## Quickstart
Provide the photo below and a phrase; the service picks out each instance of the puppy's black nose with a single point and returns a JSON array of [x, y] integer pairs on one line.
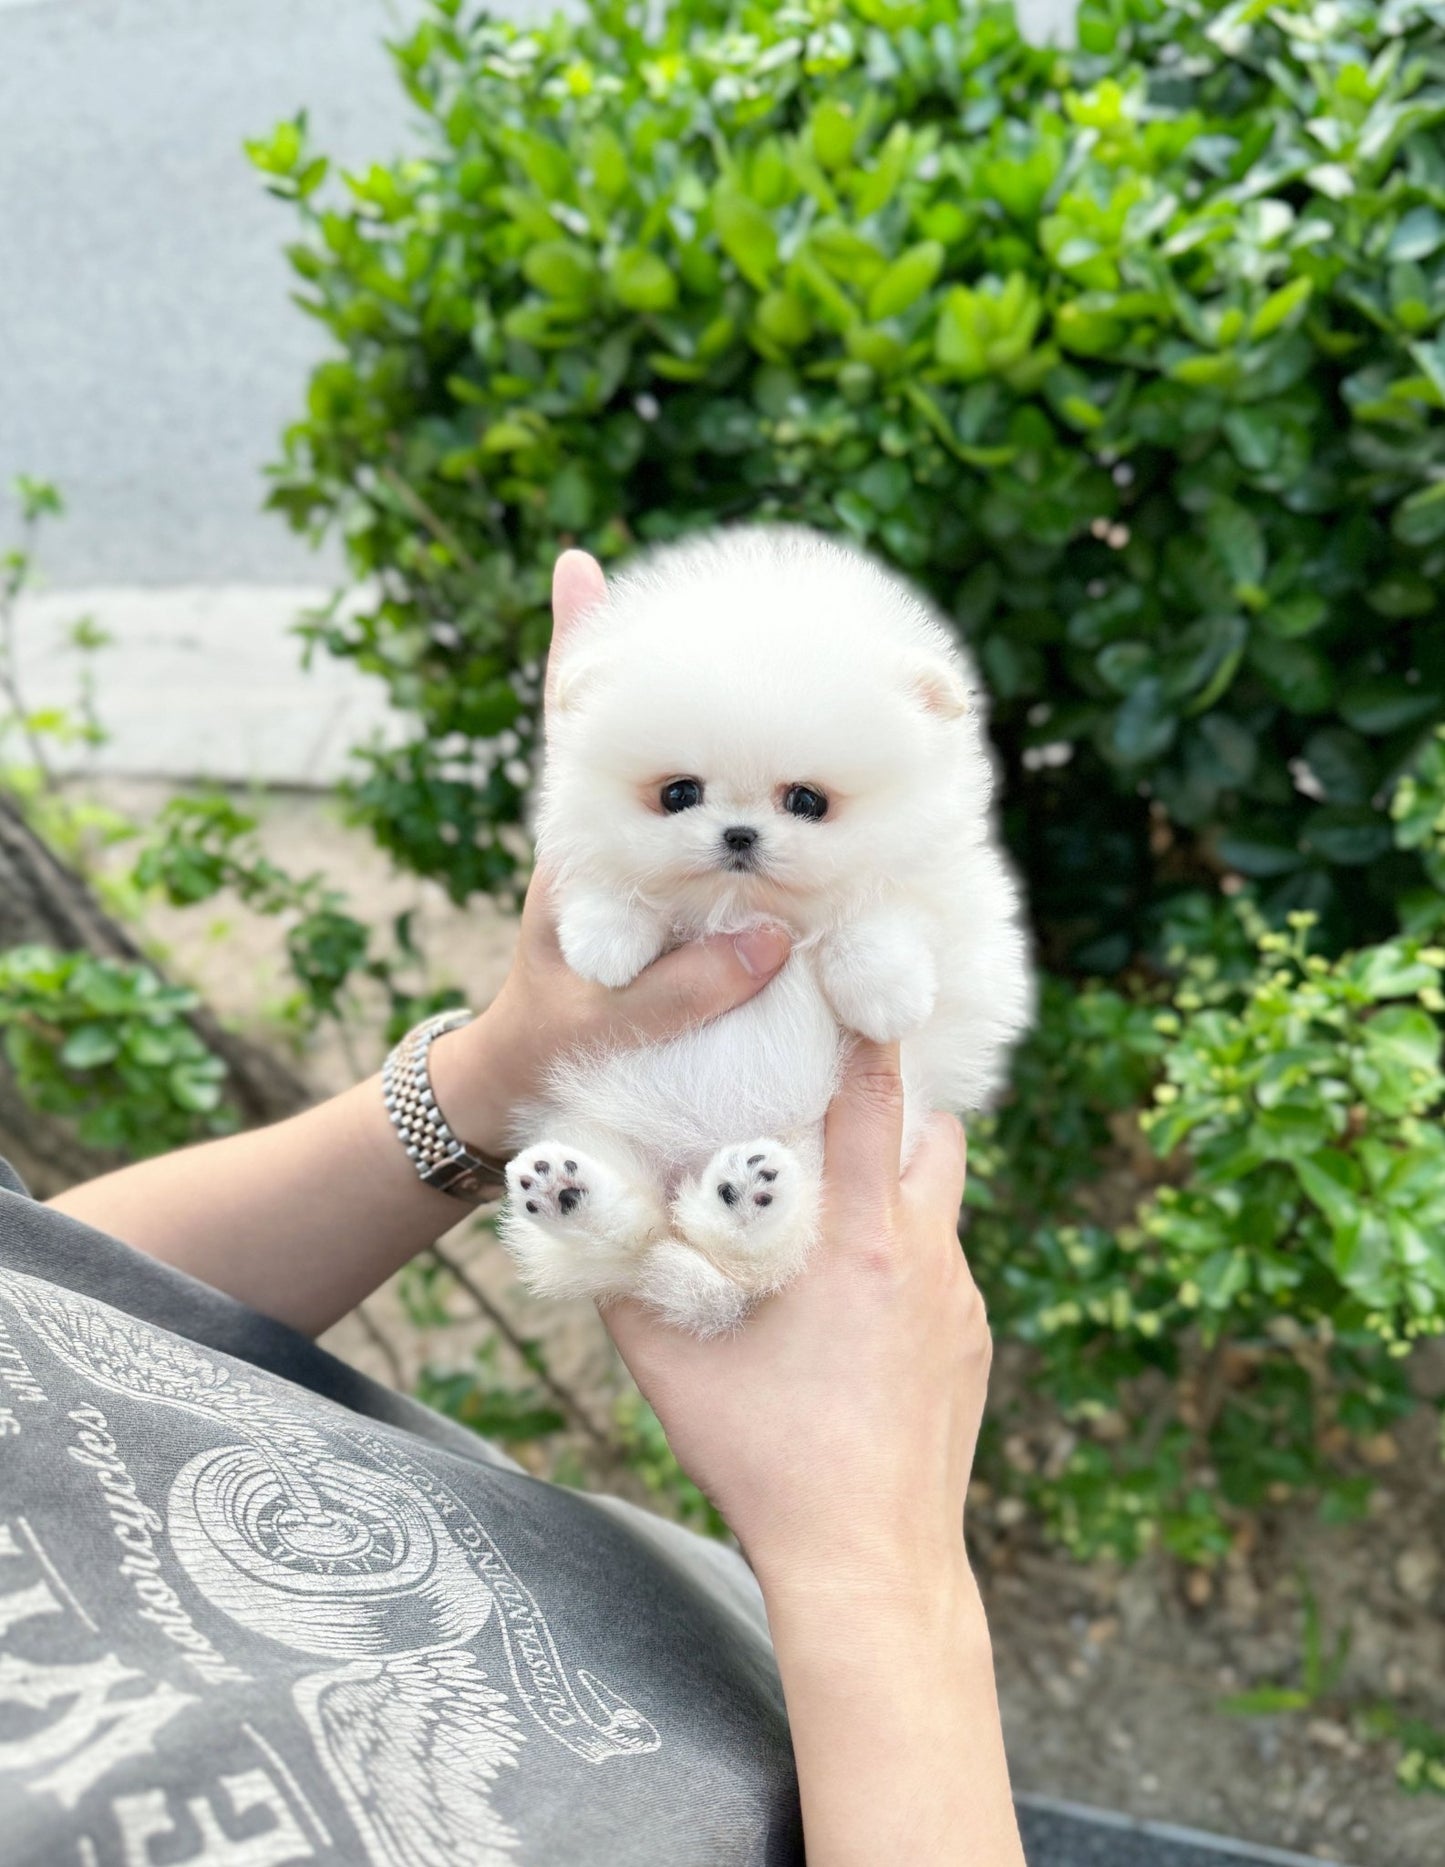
[[740, 837]]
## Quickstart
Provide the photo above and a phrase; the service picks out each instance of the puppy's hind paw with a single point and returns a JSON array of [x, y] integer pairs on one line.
[[751, 1211], [552, 1185], [573, 1224]]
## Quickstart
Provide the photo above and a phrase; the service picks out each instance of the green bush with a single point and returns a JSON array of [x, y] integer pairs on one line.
[[1133, 358], [105, 1043], [1250, 1315]]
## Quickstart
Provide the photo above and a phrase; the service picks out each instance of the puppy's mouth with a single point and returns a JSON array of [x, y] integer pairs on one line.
[[741, 862]]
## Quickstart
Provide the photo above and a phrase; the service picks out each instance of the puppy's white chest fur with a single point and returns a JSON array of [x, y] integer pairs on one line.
[[764, 725], [768, 1068]]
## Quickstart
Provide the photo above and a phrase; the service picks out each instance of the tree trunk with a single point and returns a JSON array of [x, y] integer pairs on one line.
[[41, 901]]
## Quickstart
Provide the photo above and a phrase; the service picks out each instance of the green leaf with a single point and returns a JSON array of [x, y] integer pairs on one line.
[[1420, 520], [1342, 765], [1144, 725], [905, 281], [1300, 675], [1420, 233], [642, 281], [608, 160], [1260, 851], [1387, 704], [1390, 971], [1237, 541], [1332, 1181], [1082, 413], [1204, 660], [560, 268], [1347, 834], [1255, 436], [958, 341], [90, 1046], [1299, 613], [747, 237], [195, 1087], [1292, 1130], [784, 319], [1279, 307], [1363, 1257], [1221, 1277], [1406, 1035], [834, 132]]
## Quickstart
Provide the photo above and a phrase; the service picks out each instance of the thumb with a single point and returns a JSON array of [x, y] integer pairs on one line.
[[701, 981], [936, 1173], [863, 1132]]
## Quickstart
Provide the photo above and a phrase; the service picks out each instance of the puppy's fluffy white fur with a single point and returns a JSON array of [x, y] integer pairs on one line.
[[753, 662]]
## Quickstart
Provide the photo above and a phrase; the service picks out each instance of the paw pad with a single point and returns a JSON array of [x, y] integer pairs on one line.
[[747, 1175], [552, 1194]]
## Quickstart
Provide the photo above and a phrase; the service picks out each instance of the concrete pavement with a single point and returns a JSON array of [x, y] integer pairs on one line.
[[149, 352], [1063, 1834], [150, 357]]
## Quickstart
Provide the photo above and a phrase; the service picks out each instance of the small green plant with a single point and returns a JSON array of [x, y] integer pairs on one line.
[[1320, 1668], [1309, 1109], [1420, 1763], [30, 736], [489, 1400], [1420, 1769], [36, 728], [1219, 1341], [202, 842], [106, 1045]]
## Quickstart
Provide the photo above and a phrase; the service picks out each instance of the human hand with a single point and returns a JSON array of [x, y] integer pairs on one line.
[[835, 1431], [483, 1071]]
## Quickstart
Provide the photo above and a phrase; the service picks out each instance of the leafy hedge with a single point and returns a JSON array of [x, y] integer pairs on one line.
[[1241, 1331], [1133, 357]]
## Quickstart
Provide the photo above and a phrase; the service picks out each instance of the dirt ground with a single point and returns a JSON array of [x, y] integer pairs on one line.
[[1112, 1681]]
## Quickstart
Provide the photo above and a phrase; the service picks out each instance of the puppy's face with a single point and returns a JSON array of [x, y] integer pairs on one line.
[[751, 780]]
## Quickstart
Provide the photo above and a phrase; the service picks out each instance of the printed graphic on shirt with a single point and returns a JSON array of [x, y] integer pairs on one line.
[[249, 1541]]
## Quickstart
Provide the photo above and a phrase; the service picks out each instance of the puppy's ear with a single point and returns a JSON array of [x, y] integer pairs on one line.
[[578, 588], [939, 689], [569, 681]]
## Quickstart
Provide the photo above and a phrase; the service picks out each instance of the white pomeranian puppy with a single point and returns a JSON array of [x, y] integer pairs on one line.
[[762, 725]]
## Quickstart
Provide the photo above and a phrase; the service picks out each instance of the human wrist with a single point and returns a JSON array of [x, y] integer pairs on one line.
[[941, 1615], [827, 1580], [469, 1082]]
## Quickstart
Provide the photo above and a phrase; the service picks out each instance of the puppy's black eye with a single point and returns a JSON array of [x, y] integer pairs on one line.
[[681, 794], [801, 800]]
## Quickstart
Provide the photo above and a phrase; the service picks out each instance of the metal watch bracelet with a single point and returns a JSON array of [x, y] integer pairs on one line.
[[440, 1158]]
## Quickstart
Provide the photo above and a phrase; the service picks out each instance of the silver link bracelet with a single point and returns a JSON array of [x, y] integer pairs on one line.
[[441, 1160]]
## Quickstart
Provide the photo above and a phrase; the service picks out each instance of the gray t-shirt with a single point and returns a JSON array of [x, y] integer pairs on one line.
[[255, 1609]]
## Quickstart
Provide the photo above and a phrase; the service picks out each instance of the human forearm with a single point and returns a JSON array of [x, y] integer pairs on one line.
[[301, 1219], [894, 1716]]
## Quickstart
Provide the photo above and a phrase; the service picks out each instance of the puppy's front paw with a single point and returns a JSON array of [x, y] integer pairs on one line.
[[605, 940], [880, 978]]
